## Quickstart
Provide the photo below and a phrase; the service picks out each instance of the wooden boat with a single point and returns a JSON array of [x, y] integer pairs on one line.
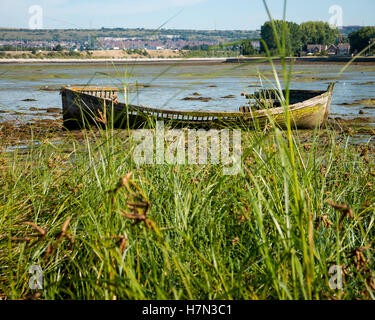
[[83, 106]]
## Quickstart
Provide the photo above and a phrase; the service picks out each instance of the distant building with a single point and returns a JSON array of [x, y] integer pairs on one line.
[[343, 49], [332, 50], [316, 48]]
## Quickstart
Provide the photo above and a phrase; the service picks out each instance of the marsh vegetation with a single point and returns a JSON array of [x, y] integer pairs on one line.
[[102, 227]]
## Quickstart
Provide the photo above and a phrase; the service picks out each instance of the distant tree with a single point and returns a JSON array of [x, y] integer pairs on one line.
[[295, 39], [318, 32], [8, 48], [292, 32], [360, 39], [268, 35], [58, 48], [342, 38], [247, 48], [74, 54]]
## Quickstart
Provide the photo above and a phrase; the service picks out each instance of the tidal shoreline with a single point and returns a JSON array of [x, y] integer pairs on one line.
[[147, 61], [187, 61], [16, 134]]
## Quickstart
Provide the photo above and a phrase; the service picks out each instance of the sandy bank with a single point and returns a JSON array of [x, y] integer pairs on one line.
[[120, 61], [192, 61]]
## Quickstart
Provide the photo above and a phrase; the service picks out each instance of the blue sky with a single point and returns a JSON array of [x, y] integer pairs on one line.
[[191, 14]]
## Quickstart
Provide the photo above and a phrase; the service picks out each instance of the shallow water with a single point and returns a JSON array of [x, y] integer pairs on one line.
[[166, 86]]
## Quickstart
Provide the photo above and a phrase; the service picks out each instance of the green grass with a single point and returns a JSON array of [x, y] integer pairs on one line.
[[255, 235]]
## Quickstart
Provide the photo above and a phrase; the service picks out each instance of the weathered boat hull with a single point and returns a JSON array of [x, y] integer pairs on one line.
[[83, 107]]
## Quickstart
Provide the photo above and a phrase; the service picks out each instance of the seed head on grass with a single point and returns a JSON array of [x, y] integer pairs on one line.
[[34, 296], [50, 163], [77, 188], [114, 98], [51, 250], [41, 233], [122, 183], [362, 265], [359, 259], [138, 213], [345, 211], [121, 243], [102, 118], [236, 241], [326, 222], [138, 204]]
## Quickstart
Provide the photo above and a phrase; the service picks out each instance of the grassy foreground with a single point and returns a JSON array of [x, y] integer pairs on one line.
[[187, 232]]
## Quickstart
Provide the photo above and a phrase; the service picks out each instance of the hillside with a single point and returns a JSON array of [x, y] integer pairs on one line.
[[163, 35], [145, 34]]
